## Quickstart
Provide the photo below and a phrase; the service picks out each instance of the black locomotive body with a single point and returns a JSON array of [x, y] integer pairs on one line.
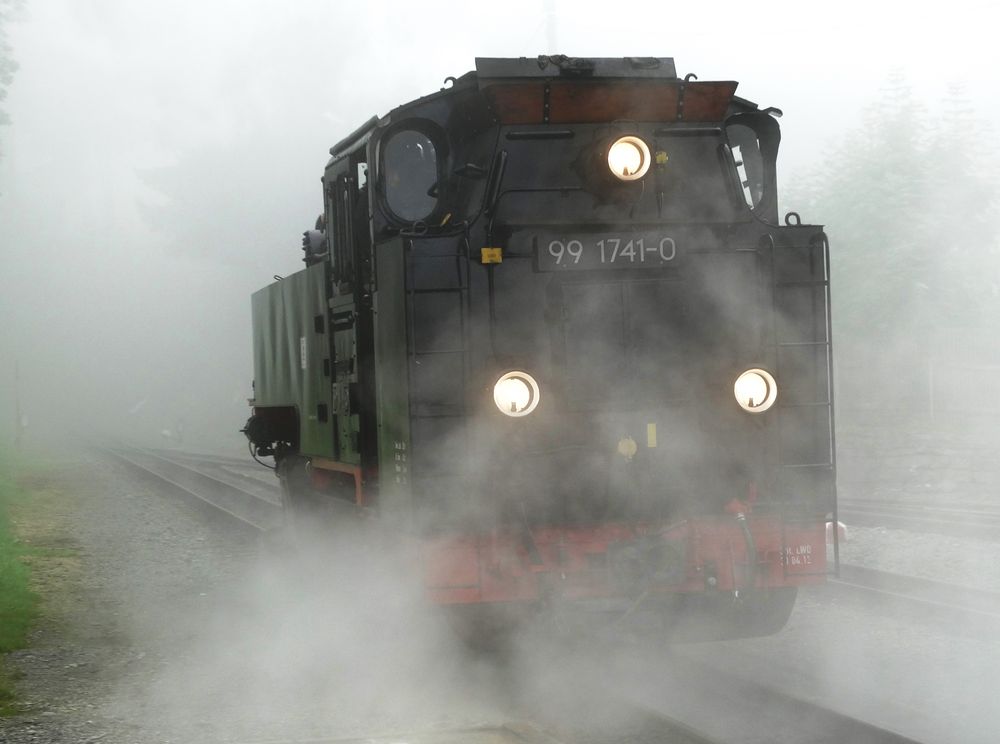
[[551, 328]]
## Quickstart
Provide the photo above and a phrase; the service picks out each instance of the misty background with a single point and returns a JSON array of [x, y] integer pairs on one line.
[[159, 162]]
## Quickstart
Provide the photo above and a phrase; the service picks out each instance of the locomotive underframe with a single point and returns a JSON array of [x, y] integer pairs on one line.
[[624, 561]]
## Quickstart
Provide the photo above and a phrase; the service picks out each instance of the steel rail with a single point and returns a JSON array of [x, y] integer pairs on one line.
[[515, 732], [961, 508], [250, 478], [748, 710], [205, 459], [241, 473], [961, 607], [949, 521], [245, 506]]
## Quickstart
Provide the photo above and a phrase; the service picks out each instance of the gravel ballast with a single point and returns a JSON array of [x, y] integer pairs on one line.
[[172, 627]]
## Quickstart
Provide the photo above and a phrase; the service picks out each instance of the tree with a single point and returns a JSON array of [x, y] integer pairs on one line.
[[911, 200], [9, 10], [962, 165]]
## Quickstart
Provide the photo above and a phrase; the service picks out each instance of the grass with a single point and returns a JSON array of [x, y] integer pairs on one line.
[[18, 604]]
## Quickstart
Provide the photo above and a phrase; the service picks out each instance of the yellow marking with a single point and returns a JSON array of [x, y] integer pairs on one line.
[[651, 435], [661, 157], [491, 255], [444, 221]]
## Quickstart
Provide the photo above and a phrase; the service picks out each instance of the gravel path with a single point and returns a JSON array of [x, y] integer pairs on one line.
[[142, 561], [950, 464], [165, 628], [945, 462], [953, 560]]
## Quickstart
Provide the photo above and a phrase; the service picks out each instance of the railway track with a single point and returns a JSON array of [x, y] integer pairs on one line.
[[744, 710], [232, 489], [961, 608], [243, 491], [972, 520], [965, 520], [211, 483], [510, 733]]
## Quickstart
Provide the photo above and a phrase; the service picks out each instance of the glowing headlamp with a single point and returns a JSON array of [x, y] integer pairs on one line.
[[516, 393], [628, 158], [755, 390]]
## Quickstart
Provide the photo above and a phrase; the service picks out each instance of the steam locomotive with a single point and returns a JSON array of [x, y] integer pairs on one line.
[[552, 332]]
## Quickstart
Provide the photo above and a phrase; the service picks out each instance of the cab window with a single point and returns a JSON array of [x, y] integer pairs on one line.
[[749, 162], [410, 172]]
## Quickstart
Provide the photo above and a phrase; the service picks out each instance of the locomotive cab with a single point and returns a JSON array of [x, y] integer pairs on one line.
[[559, 338]]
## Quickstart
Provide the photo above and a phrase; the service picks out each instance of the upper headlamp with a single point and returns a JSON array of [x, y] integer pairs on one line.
[[516, 394], [628, 158], [755, 390]]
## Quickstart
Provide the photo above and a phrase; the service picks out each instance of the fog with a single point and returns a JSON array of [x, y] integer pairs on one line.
[[162, 160]]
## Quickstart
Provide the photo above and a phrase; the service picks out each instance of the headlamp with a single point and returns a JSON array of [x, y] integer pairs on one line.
[[755, 390], [516, 393], [628, 158]]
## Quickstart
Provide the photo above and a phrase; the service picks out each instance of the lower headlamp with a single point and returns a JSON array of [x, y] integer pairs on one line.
[[516, 393], [755, 390]]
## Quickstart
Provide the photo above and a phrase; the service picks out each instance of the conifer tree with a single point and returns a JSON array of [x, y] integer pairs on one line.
[[8, 12], [910, 201]]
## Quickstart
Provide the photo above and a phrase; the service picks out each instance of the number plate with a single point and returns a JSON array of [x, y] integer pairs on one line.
[[637, 251]]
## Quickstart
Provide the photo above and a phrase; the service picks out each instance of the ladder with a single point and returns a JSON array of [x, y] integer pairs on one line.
[[806, 453], [437, 339]]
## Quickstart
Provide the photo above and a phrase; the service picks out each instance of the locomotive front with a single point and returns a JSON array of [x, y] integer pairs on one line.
[[550, 327]]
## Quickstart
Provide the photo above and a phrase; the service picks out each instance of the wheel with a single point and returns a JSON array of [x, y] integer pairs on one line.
[[723, 617], [310, 514], [484, 631], [766, 612]]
